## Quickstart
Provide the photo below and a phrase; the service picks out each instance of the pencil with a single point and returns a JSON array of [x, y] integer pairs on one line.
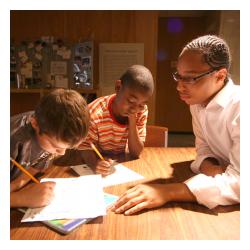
[[24, 170], [96, 150]]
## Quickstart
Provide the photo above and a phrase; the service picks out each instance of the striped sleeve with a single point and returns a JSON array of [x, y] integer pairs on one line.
[[141, 123]]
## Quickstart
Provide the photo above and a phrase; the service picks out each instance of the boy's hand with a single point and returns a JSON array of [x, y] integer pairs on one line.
[[212, 170], [132, 119], [140, 197], [34, 195], [210, 166], [105, 167]]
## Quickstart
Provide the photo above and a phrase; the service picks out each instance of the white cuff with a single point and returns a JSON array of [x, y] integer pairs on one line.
[[213, 191]]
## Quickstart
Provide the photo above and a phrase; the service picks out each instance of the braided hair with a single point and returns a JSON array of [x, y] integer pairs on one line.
[[215, 51]]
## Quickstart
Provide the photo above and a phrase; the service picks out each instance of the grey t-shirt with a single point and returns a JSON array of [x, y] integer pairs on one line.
[[24, 147]]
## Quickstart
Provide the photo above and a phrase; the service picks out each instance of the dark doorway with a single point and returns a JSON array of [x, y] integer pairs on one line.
[[174, 31]]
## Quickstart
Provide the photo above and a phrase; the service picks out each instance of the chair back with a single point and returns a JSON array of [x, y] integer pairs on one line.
[[156, 136]]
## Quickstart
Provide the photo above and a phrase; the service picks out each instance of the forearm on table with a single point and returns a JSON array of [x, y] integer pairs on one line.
[[15, 199], [179, 192], [135, 145]]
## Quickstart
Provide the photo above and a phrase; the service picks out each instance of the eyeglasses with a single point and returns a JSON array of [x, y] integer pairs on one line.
[[191, 80]]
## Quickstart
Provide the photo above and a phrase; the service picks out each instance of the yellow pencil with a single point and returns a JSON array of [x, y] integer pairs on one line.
[[96, 150], [24, 170]]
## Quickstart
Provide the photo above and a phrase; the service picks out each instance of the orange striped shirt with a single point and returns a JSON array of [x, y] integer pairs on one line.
[[105, 132]]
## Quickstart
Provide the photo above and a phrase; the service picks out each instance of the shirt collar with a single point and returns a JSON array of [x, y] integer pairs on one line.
[[222, 98]]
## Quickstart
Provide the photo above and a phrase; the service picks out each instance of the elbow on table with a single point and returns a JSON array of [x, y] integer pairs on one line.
[[136, 154]]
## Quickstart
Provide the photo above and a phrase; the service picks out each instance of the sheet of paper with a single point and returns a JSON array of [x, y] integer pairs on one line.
[[80, 197], [122, 174], [61, 81], [58, 68]]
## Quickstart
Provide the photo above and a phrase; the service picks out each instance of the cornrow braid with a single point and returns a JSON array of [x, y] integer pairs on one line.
[[215, 51]]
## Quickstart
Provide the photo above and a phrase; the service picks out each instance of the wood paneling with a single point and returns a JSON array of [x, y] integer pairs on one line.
[[230, 31], [100, 26], [23, 102]]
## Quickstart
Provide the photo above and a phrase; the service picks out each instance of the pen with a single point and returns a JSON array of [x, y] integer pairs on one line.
[[24, 170], [96, 150]]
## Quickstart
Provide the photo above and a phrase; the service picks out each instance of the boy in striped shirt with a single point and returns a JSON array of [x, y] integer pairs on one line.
[[119, 120]]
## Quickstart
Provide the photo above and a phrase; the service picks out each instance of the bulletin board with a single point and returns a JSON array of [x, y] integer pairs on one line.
[[50, 63]]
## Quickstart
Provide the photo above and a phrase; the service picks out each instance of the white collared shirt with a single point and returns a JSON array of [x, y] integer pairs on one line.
[[217, 131]]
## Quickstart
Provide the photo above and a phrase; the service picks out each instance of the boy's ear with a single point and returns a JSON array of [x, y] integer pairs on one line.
[[34, 124], [118, 86]]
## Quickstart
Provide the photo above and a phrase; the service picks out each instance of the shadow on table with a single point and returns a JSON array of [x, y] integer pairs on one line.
[[182, 172], [74, 157]]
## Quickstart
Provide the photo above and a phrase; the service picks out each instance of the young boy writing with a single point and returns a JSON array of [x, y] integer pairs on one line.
[[119, 119], [59, 122], [203, 83]]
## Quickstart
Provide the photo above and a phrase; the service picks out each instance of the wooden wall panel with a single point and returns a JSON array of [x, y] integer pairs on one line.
[[34, 24], [171, 111], [100, 26], [23, 102]]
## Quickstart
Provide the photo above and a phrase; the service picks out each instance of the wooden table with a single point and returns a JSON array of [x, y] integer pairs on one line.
[[172, 221]]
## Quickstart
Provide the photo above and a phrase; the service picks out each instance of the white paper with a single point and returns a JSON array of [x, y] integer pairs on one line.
[[80, 197], [26, 70], [38, 47], [24, 59], [58, 68], [122, 174], [22, 53], [61, 81], [59, 52], [66, 54], [39, 56], [55, 47], [30, 45]]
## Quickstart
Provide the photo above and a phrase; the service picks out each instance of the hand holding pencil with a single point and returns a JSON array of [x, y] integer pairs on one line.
[[33, 195], [104, 166]]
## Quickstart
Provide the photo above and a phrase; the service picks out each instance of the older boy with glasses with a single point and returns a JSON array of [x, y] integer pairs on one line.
[[203, 83]]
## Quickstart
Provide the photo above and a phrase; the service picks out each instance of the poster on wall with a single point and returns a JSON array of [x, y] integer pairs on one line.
[[114, 59], [83, 65]]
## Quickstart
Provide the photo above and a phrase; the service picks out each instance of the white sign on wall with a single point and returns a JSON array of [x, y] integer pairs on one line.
[[114, 59]]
